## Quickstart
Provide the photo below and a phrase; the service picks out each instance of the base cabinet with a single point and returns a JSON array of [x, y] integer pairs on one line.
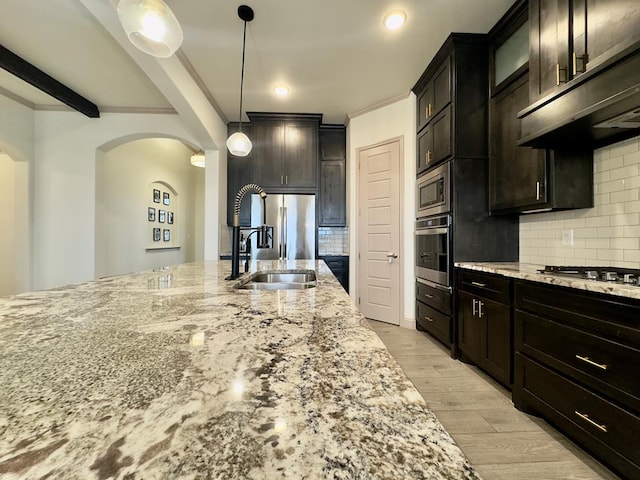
[[576, 354], [433, 311], [339, 266], [484, 323]]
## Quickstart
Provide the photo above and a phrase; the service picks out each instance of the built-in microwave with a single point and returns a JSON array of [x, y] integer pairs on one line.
[[432, 193]]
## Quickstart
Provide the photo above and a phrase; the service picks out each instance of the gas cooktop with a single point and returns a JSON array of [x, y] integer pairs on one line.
[[623, 276]]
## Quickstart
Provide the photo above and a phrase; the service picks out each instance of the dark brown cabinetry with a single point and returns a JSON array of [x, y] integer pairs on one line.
[[239, 173], [484, 322], [285, 151], [451, 102], [575, 357], [339, 266], [332, 209], [433, 311], [523, 179]]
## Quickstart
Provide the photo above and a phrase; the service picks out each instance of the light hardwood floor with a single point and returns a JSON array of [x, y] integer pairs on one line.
[[500, 441]]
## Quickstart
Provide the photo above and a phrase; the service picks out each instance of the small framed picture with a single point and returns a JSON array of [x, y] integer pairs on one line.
[[167, 235], [156, 196], [151, 214], [156, 234], [170, 217], [161, 216], [165, 198]]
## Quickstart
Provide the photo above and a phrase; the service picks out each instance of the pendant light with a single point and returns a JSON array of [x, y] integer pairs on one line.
[[150, 26], [238, 143]]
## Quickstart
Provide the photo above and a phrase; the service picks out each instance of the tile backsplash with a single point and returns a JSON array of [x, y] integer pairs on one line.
[[607, 234], [333, 241]]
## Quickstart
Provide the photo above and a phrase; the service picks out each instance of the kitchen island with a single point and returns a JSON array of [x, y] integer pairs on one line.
[[175, 374]]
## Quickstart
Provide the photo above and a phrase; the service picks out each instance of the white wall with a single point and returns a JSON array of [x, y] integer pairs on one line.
[[123, 192], [607, 234], [66, 147], [16, 159], [391, 121]]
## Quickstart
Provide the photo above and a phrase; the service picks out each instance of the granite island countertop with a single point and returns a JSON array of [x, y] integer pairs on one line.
[[174, 374], [528, 271]]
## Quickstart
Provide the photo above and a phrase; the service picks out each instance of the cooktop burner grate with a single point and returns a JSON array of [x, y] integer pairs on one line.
[[628, 276]]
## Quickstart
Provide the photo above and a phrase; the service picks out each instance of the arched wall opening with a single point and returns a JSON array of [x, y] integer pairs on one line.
[[149, 205]]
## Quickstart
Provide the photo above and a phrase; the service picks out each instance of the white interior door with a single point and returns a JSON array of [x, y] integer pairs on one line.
[[379, 231]]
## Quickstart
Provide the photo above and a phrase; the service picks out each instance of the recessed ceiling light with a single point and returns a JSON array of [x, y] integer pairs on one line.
[[394, 20], [281, 90]]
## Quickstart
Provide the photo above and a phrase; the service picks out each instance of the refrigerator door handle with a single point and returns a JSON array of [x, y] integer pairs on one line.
[[283, 237]]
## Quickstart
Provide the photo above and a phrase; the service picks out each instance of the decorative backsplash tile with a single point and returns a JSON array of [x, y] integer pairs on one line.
[[333, 240], [607, 234]]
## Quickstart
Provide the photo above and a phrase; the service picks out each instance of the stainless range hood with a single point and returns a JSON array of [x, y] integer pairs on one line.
[[597, 108]]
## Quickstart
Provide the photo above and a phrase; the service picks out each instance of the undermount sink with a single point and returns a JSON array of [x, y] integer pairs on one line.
[[279, 280]]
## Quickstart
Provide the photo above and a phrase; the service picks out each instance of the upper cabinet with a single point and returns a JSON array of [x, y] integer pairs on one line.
[[584, 73], [286, 151], [332, 209], [454, 82]]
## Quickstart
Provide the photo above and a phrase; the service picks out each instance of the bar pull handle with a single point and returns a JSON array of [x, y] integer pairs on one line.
[[281, 179], [587, 360], [585, 417], [537, 190], [429, 110], [480, 304], [561, 78], [478, 284], [473, 308], [286, 179], [427, 157], [427, 295], [426, 111], [579, 63], [429, 319]]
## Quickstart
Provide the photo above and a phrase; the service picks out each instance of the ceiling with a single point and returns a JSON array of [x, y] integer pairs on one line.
[[335, 55]]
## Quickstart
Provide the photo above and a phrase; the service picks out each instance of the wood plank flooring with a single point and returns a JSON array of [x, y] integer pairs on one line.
[[501, 442]]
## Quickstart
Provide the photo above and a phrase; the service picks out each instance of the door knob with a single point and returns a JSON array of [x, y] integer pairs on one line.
[[391, 256]]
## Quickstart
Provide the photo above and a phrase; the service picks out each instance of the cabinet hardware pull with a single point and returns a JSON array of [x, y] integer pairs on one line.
[[427, 295], [583, 63], [558, 70], [537, 190], [281, 179], [429, 319], [473, 309], [587, 360], [426, 111], [430, 110], [427, 157], [480, 304], [586, 418], [478, 284]]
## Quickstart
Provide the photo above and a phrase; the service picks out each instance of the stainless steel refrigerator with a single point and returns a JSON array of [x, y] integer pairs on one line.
[[293, 218]]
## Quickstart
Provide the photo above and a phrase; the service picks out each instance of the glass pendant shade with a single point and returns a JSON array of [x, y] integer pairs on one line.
[[150, 26], [239, 144]]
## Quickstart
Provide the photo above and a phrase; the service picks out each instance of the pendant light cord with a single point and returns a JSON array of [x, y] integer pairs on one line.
[[244, 40]]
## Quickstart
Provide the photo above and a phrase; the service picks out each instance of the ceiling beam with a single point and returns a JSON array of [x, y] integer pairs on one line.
[[22, 69]]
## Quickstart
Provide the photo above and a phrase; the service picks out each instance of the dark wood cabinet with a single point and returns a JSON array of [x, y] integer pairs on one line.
[[484, 322], [570, 37], [339, 266], [452, 102], [523, 179], [332, 209], [433, 311], [575, 358], [239, 173], [285, 151]]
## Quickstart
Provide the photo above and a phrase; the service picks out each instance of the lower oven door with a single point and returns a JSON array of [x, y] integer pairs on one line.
[[432, 254]]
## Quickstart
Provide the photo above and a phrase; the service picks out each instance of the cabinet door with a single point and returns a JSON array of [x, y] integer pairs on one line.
[[441, 127], [425, 150], [332, 209], [517, 175], [469, 327], [442, 87], [495, 354], [332, 144], [601, 28], [549, 62], [424, 105], [300, 155], [268, 153]]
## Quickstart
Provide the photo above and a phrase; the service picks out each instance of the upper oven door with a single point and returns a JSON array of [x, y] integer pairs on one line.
[[432, 250], [432, 195]]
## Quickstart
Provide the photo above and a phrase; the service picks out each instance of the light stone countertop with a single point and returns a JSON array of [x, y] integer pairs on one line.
[[527, 271], [174, 374]]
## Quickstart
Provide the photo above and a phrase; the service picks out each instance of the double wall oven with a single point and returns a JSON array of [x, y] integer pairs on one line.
[[432, 253]]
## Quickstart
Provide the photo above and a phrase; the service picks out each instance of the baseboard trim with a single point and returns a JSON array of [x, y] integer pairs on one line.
[[408, 323]]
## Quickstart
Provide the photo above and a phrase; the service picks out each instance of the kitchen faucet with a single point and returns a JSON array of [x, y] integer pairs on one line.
[[263, 230]]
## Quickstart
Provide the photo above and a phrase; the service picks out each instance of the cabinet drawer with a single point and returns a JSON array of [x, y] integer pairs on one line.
[[608, 431], [434, 297], [434, 322], [493, 287], [603, 364]]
